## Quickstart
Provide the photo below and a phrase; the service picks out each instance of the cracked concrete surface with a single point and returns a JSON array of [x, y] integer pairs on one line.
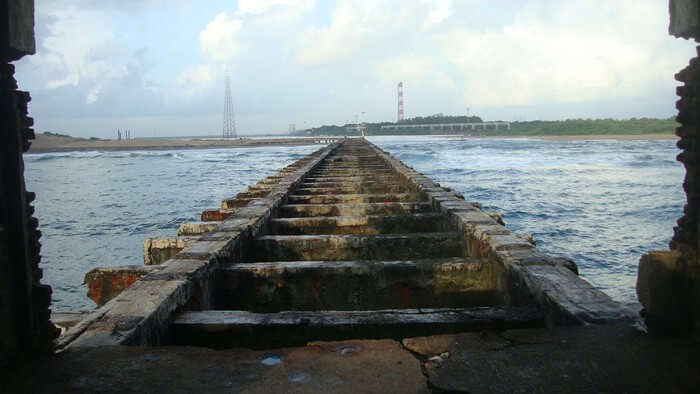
[[588, 359]]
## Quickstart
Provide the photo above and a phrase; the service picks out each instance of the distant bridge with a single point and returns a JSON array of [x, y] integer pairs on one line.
[[451, 126]]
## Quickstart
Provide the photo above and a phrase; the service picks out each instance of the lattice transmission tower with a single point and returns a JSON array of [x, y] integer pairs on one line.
[[229, 128], [399, 115]]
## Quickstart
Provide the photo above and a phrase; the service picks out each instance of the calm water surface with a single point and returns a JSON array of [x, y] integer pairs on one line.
[[601, 203]]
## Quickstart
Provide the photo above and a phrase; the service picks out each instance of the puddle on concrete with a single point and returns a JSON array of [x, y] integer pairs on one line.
[[347, 350], [271, 360], [299, 377]]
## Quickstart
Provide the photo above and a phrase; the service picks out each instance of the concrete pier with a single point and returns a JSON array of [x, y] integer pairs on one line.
[[350, 266], [348, 228]]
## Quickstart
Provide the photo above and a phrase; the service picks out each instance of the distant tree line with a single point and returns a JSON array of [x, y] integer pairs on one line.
[[593, 126], [433, 119], [68, 136], [535, 127], [55, 134]]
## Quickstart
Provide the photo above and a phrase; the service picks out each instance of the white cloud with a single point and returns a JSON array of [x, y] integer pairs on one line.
[[259, 7], [94, 94], [218, 39], [439, 11], [194, 81], [353, 26], [83, 66], [68, 50], [577, 56], [408, 67]]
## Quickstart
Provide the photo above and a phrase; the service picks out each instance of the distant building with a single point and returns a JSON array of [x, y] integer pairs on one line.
[[472, 126]]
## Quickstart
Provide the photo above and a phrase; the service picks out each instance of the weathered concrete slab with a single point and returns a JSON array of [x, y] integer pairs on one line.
[[351, 172], [343, 183], [158, 250], [353, 198], [567, 298], [667, 287], [588, 359], [235, 202], [271, 179], [369, 177], [527, 257], [253, 194], [388, 208], [222, 329], [215, 245], [366, 169], [357, 247], [66, 320], [262, 186], [139, 314], [354, 189], [217, 215], [368, 224], [337, 367], [359, 285], [196, 228], [105, 283]]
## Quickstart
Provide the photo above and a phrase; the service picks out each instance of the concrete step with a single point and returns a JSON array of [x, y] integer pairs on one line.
[[351, 172], [357, 247], [350, 159], [262, 186], [359, 285], [235, 202], [367, 167], [353, 169], [347, 160], [362, 178], [273, 179], [196, 228], [353, 198], [366, 224], [345, 183], [355, 189], [250, 193], [217, 215], [355, 184], [105, 283], [225, 329], [159, 250], [377, 208]]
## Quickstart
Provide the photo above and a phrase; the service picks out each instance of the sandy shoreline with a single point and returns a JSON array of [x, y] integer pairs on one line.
[[620, 137], [51, 143], [580, 137]]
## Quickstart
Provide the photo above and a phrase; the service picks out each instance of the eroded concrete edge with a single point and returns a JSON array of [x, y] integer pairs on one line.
[[139, 315]]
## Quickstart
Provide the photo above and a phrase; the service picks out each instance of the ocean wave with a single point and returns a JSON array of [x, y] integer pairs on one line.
[[43, 157], [149, 154]]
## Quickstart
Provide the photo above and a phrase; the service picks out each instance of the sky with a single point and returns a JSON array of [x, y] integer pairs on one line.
[[158, 67]]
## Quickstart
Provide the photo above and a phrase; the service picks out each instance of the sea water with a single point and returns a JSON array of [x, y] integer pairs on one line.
[[601, 203]]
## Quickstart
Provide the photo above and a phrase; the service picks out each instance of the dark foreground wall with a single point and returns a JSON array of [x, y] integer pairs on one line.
[[25, 330], [668, 282]]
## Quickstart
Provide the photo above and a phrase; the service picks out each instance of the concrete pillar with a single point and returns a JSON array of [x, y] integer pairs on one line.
[[668, 282], [25, 330]]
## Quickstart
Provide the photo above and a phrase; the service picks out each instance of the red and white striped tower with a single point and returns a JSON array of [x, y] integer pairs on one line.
[[399, 115]]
